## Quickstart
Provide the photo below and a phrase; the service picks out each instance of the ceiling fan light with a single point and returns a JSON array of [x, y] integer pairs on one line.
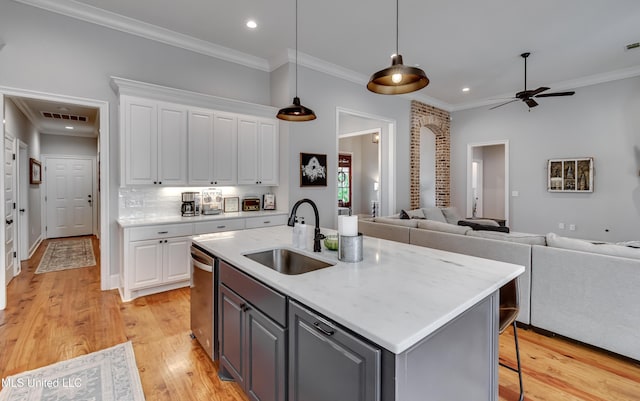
[[296, 112], [397, 79]]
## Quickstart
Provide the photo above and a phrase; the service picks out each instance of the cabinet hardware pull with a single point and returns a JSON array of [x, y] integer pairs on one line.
[[163, 232], [244, 307], [329, 332], [221, 227], [267, 222]]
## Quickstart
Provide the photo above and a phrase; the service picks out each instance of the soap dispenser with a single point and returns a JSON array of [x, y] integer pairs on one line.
[[302, 234]]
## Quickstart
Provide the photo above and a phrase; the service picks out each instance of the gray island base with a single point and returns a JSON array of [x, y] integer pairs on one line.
[[407, 323]]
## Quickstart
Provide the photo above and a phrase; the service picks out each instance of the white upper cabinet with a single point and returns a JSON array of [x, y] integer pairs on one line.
[[200, 147], [225, 149], [257, 151], [154, 142]]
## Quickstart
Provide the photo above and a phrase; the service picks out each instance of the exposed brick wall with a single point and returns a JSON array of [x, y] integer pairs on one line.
[[438, 121]]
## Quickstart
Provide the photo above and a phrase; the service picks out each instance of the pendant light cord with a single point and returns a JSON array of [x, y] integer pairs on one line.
[[296, 48], [397, 29]]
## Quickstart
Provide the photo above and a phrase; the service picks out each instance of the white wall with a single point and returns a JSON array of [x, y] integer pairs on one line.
[[324, 94], [493, 181], [68, 145], [50, 53], [602, 121]]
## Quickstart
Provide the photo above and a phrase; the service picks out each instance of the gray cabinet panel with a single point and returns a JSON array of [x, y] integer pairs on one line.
[[232, 327], [328, 363], [265, 347]]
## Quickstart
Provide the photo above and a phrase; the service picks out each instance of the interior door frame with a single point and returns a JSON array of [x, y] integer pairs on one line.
[[386, 158], [107, 281], [469, 197], [94, 182]]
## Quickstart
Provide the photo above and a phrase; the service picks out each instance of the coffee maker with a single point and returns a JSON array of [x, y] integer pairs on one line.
[[188, 208]]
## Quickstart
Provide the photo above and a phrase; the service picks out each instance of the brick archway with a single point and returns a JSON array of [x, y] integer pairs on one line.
[[438, 121]]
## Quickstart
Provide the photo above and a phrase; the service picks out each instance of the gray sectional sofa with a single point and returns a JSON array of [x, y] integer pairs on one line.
[[578, 289]]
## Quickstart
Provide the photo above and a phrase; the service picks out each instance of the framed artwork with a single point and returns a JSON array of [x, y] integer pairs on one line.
[[269, 202], [35, 171], [313, 170], [232, 204], [570, 175]]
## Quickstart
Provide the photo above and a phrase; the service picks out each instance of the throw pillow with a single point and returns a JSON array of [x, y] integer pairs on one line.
[[404, 215], [451, 215], [434, 213], [483, 227], [412, 214]]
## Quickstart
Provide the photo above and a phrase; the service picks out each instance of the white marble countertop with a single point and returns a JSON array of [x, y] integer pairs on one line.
[[398, 294], [150, 221]]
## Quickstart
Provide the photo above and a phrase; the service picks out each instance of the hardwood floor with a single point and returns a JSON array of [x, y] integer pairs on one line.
[[57, 316]]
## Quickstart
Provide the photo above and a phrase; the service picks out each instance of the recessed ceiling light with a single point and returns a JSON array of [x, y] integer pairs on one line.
[[252, 24], [465, 89], [68, 127]]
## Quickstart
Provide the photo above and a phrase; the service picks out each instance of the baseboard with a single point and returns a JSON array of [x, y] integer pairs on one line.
[[114, 281], [34, 247]]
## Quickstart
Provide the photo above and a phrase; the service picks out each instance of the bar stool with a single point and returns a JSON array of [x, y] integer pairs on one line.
[[509, 309]]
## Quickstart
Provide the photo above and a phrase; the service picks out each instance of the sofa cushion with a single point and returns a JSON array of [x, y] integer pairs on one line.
[[521, 238], [397, 221], [451, 215], [434, 213], [603, 248], [483, 227], [412, 214], [444, 227]]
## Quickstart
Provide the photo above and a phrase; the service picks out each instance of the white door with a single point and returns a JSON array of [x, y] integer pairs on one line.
[[23, 202], [69, 199], [9, 208]]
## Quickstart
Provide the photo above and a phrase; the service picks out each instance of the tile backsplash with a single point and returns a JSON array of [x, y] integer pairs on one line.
[[152, 202]]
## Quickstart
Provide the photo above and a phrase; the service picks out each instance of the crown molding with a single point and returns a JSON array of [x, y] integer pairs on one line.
[[132, 26], [123, 86], [559, 86]]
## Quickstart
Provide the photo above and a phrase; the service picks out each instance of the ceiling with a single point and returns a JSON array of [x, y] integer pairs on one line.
[[458, 43]]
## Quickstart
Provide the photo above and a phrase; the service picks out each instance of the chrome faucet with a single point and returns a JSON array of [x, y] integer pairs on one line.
[[316, 232]]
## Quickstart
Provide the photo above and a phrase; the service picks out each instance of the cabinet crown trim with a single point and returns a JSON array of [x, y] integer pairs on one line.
[[128, 87]]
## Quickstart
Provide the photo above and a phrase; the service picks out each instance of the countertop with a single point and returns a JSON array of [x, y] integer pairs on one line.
[[150, 221], [395, 297]]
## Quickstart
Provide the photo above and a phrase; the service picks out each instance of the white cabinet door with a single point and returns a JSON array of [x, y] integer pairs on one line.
[[172, 145], [225, 149], [146, 263], [268, 147], [140, 140], [247, 151], [258, 144], [201, 147], [175, 259]]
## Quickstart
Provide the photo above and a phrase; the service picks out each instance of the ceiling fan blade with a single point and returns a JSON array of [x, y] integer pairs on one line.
[[531, 102], [500, 105], [556, 94], [539, 90]]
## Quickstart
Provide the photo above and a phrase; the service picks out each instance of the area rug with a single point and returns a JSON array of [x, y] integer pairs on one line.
[[110, 374], [67, 254]]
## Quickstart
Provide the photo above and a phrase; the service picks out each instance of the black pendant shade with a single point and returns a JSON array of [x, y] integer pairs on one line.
[[397, 79], [296, 112]]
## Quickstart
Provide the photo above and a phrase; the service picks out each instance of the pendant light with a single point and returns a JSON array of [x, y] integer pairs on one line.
[[296, 111], [398, 78]]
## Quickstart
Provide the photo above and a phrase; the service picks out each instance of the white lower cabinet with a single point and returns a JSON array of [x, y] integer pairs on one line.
[[159, 261]]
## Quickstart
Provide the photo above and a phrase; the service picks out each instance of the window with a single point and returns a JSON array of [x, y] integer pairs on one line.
[[344, 180]]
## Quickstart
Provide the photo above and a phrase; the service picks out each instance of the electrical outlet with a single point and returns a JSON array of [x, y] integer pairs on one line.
[[561, 226], [515, 193], [572, 227]]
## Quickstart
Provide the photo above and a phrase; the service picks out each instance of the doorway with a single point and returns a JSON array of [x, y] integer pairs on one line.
[[35, 202], [359, 172], [488, 180], [381, 185]]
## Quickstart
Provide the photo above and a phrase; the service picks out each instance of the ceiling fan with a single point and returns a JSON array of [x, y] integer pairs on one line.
[[528, 95]]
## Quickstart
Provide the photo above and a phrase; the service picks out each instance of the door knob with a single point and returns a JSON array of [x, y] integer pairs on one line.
[[22, 210]]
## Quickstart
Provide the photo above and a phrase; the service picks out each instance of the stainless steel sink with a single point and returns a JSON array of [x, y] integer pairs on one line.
[[287, 261]]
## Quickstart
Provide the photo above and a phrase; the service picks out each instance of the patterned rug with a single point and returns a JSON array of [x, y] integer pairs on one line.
[[67, 254], [110, 374]]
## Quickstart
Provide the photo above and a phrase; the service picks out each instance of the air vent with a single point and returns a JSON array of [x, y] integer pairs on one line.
[[61, 116]]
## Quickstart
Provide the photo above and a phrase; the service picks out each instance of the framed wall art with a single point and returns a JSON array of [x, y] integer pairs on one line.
[[232, 204], [313, 170], [570, 175], [35, 171]]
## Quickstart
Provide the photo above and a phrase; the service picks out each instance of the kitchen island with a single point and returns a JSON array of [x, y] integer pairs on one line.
[[433, 315]]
